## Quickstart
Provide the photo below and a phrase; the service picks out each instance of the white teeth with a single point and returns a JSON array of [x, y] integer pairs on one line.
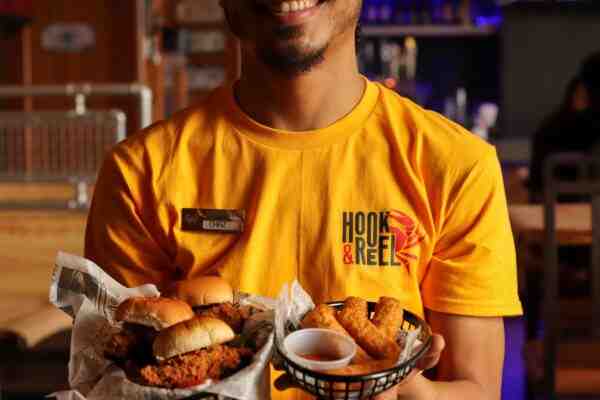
[[294, 5]]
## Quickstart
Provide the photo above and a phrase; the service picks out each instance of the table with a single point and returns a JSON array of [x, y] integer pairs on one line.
[[573, 228], [29, 240], [573, 223]]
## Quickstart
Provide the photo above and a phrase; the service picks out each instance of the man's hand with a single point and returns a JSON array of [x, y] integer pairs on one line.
[[470, 368], [432, 357], [426, 362]]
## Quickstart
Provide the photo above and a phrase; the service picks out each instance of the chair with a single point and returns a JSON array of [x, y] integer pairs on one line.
[[571, 368]]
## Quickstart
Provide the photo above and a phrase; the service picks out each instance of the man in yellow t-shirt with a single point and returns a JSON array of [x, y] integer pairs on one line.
[[305, 170]]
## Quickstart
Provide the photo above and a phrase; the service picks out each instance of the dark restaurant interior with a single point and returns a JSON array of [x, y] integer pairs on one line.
[[77, 77]]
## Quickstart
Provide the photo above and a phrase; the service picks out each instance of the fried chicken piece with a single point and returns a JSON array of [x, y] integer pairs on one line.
[[132, 342], [353, 317], [193, 368], [388, 316], [323, 316], [120, 345], [232, 315]]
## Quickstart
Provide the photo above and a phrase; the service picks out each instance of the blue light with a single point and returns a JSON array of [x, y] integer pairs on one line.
[[491, 20]]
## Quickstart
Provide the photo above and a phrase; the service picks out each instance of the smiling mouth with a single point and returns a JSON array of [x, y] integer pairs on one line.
[[286, 7]]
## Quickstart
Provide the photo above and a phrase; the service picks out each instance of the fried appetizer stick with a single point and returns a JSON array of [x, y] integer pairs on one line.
[[323, 316], [388, 317], [368, 367], [353, 317], [364, 368]]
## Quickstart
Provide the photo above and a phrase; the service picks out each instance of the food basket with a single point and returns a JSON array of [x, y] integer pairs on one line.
[[359, 387]]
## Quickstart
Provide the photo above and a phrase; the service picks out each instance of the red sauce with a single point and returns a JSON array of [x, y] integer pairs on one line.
[[319, 357]]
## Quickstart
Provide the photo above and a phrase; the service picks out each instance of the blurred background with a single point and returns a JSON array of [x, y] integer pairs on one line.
[[76, 77]]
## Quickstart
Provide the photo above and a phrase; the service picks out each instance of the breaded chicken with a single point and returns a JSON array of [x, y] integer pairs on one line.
[[120, 345], [232, 315], [193, 368], [132, 342]]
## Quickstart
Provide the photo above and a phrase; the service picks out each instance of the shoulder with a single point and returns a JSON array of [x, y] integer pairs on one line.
[[154, 146], [437, 142]]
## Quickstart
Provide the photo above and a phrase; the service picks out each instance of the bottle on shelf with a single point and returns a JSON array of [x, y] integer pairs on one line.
[[448, 12], [486, 12], [431, 12], [386, 12], [436, 11], [424, 10], [463, 12], [371, 11], [461, 106], [402, 12], [414, 14]]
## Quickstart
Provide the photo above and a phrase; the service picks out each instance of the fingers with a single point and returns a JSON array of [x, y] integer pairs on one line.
[[391, 394], [284, 382], [432, 357]]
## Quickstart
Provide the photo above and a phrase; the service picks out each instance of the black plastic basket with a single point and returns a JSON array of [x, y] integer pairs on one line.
[[325, 386]]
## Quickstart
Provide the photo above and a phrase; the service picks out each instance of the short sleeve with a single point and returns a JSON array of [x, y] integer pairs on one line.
[[473, 267], [121, 237]]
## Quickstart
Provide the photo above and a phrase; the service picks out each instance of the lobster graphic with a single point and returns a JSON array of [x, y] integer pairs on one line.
[[407, 236]]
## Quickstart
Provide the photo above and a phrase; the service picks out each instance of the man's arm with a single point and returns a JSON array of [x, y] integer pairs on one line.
[[470, 367], [123, 235]]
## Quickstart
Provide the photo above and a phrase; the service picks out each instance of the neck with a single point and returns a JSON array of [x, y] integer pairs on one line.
[[311, 100]]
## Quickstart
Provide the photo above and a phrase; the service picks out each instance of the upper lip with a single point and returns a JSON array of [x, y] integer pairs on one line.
[[269, 3]]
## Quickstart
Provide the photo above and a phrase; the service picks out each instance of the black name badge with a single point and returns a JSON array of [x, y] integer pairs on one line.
[[218, 221]]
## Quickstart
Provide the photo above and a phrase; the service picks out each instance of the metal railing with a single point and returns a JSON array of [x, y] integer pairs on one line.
[[80, 92], [54, 148]]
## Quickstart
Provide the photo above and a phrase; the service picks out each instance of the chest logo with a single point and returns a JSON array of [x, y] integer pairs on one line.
[[383, 238]]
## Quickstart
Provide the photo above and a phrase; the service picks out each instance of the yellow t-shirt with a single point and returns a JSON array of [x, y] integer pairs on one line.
[[390, 200]]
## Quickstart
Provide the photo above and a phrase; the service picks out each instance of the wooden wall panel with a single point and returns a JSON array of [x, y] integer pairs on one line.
[[16, 49], [117, 56]]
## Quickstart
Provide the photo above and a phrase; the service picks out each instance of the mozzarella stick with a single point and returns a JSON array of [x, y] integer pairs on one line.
[[353, 317], [323, 316], [388, 317], [358, 369], [363, 369]]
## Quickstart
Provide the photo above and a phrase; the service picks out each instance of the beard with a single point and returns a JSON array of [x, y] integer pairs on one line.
[[283, 52], [291, 60]]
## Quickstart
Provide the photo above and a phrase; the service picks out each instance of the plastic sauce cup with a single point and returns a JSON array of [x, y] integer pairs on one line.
[[319, 349]]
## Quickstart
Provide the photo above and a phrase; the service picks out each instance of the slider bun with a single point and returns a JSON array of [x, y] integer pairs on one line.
[[155, 312], [201, 291], [193, 334]]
